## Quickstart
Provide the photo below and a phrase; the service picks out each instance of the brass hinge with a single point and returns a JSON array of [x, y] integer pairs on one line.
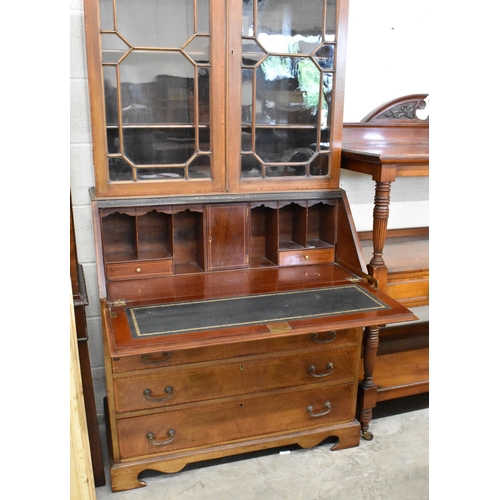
[[118, 303], [355, 270]]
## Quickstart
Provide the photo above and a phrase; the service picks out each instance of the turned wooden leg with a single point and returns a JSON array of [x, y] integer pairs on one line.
[[377, 267], [367, 395]]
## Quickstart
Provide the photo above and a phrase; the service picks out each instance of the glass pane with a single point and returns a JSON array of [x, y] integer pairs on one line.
[[246, 95], [199, 49], [290, 26], [326, 100], [283, 145], [288, 88], [331, 20], [251, 52], [113, 48], [199, 168], [148, 23], [204, 96], [247, 25], [113, 140], [120, 170], [151, 174], [246, 139], [106, 13], [319, 166], [204, 139], [156, 87], [110, 94], [324, 57], [146, 146], [203, 16], [250, 166], [285, 171]]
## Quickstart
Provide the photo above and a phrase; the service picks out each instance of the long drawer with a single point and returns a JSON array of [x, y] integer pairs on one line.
[[223, 421], [243, 375], [338, 338]]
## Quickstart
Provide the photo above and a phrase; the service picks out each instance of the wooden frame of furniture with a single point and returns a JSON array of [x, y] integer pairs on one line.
[[389, 143], [80, 302], [234, 368], [233, 290]]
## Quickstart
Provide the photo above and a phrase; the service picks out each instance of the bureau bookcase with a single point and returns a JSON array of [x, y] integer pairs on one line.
[[236, 308]]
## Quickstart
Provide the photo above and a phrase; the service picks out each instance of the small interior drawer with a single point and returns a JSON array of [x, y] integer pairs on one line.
[[306, 256], [137, 269]]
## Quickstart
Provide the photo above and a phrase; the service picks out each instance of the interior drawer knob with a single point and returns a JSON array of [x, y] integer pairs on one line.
[[327, 406], [151, 438], [329, 368], [157, 399], [138, 270]]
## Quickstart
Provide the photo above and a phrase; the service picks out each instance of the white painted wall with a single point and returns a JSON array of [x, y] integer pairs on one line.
[[386, 59]]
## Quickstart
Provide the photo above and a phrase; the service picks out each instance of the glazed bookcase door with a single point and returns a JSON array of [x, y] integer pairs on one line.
[[286, 63], [156, 76]]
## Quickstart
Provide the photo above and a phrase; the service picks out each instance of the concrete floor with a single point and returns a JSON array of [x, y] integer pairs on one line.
[[394, 466]]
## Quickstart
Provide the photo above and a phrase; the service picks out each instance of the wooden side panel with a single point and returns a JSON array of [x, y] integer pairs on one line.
[[348, 247]]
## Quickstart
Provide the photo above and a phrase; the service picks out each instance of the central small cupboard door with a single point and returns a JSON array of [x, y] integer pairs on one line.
[[227, 231]]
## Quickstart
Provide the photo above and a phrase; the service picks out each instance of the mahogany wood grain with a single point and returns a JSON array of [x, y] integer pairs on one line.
[[227, 234], [124, 475], [385, 151], [124, 344], [337, 338], [402, 374], [241, 375], [199, 425], [367, 396]]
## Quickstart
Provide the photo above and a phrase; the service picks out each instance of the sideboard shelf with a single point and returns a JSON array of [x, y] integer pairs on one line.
[[406, 255]]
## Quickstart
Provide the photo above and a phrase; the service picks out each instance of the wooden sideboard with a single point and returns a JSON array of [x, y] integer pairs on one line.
[[390, 143]]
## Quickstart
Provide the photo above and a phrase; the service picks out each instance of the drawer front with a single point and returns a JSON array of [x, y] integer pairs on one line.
[[246, 375], [127, 270], [200, 425], [338, 338], [306, 256]]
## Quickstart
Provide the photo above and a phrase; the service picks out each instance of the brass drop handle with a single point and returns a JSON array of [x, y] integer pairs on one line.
[[145, 359], [156, 399], [332, 337], [151, 438], [327, 405], [329, 367]]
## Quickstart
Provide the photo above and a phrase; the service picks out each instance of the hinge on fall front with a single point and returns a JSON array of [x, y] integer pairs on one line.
[[373, 281], [118, 303]]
